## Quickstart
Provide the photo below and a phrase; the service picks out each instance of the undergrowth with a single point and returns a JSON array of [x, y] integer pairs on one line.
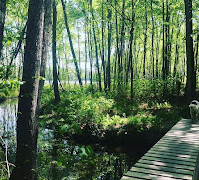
[[101, 116]]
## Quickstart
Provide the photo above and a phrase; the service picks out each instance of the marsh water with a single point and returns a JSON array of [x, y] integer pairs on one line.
[[59, 158]]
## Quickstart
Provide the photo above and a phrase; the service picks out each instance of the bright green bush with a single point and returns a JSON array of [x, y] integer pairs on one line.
[[9, 88], [81, 111]]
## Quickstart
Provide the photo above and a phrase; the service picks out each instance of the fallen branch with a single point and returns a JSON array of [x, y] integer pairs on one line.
[[3, 144]]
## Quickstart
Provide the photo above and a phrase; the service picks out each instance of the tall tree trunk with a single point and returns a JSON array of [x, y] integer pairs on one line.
[[27, 130], [177, 48], [121, 52], [16, 51], [90, 50], [54, 51], [152, 41], [108, 74], [157, 52], [86, 50], [2, 22], [170, 46], [145, 38], [130, 49], [191, 74], [79, 52], [103, 59], [71, 43], [46, 45], [163, 42], [196, 54], [167, 38], [117, 43], [96, 48]]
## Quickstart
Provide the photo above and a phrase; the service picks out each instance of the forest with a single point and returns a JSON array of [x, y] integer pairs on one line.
[[88, 86]]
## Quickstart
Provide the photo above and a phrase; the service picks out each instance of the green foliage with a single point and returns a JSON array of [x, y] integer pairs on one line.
[[9, 88], [3, 171], [95, 115], [157, 90]]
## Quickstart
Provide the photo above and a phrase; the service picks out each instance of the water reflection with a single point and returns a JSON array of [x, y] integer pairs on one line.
[[8, 114], [63, 159]]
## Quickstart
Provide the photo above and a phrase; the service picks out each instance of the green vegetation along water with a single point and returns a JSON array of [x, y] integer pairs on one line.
[[59, 158], [89, 136]]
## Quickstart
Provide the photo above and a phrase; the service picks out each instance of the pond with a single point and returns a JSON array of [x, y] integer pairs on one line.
[[61, 159]]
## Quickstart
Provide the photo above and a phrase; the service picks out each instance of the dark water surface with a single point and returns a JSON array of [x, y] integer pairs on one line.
[[61, 159]]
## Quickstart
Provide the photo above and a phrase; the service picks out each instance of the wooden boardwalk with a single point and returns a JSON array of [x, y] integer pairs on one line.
[[175, 156]]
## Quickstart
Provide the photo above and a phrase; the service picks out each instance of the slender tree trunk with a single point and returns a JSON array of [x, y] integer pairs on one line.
[[79, 52], [109, 47], [157, 52], [27, 131], [163, 43], [145, 38], [71, 43], [170, 46], [86, 54], [191, 74], [90, 50], [152, 41], [54, 50], [46, 45], [196, 55], [103, 59], [167, 38], [96, 48], [131, 41], [117, 44], [120, 71], [2, 22], [177, 48], [16, 51]]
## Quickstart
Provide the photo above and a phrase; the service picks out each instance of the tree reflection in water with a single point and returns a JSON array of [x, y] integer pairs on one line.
[[69, 161]]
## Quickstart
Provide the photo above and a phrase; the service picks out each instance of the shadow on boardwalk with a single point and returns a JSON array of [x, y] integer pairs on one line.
[[175, 156]]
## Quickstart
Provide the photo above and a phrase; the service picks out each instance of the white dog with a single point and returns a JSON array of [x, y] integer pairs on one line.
[[194, 110]]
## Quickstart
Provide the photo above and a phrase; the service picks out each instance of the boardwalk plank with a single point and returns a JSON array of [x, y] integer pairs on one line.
[[161, 173], [175, 150], [167, 164], [170, 157], [178, 146], [181, 162], [163, 168], [137, 175], [174, 156]]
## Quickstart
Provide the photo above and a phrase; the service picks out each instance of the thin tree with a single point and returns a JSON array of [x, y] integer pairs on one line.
[[27, 129], [145, 38], [167, 39], [191, 74], [152, 41], [86, 50], [54, 50], [96, 47], [46, 45], [121, 50], [117, 44], [103, 56], [177, 48], [16, 51], [130, 49], [163, 42], [71, 43], [2, 22], [108, 73]]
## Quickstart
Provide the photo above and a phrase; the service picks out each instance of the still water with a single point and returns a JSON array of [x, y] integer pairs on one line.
[[61, 159]]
